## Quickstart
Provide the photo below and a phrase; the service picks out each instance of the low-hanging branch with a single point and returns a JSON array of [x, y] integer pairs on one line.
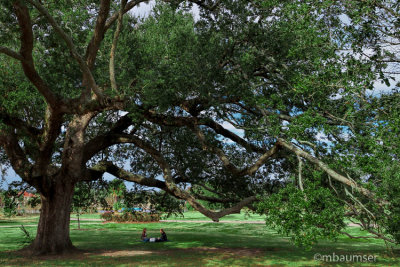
[[328, 170], [99, 169], [173, 189]]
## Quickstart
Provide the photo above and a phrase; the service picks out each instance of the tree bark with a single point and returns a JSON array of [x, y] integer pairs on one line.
[[53, 229]]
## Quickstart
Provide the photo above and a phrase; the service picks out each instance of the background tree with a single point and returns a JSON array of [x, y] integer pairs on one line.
[[116, 190], [10, 202], [88, 196]]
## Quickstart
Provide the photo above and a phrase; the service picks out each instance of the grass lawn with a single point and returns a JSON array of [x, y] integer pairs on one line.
[[192, 244]]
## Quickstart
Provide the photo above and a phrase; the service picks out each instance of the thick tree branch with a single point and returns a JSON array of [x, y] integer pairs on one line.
[[232, 136], [300, 170], [128, 7], [114, 46], [173, 189], [52, 129], [191, 121], [102, 167], [282, 115], [72, 156], [359, 237], [25, 24], [250, 170], [88, 80], [102, 25], [11, 53], [213, 199], [215, 216], [112, 137], [17, 157], [329, 171], [20, 125], [98, 35], [98, 170]]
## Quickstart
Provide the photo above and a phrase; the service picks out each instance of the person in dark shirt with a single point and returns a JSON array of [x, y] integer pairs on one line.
[[163, 237], [144, 236]]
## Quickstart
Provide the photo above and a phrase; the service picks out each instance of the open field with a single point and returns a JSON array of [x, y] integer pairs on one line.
[[192, 244]]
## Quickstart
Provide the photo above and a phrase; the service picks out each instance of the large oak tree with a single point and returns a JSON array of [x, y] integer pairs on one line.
[[88, 88]]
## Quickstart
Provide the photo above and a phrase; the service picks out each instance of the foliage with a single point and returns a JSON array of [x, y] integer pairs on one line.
[[107, 215], [27, 238], [130, 216], [34, 201], [116, 190], [305, 216], [9, 204], [88, 196], [11, 198]]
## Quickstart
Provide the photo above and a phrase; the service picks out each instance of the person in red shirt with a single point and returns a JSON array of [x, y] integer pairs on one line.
[[144, 236]]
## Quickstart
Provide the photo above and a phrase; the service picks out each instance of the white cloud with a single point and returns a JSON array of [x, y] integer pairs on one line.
[[144, 9]]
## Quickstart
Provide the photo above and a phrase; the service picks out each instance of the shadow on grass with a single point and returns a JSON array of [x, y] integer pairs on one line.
[[191, 245]]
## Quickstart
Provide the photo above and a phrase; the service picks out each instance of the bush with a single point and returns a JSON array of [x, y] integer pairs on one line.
[[130, 217], [107, 215]]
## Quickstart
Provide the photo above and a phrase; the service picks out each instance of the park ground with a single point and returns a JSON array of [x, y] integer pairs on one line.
[[241, 241]]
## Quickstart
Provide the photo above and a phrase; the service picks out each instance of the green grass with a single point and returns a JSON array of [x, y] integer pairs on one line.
[[192, 244], [18, 220], [87, 216]]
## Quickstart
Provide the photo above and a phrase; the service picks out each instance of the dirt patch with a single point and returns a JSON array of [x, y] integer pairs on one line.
[[241, 252], [70, 254], [83, 255], [104, 222], [123, 253]]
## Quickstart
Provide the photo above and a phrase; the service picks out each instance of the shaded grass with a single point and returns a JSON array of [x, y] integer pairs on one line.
[[18, 220], [192, 244]]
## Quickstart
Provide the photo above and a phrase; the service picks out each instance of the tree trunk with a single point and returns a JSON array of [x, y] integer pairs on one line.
[[79, 222], [53, 229]]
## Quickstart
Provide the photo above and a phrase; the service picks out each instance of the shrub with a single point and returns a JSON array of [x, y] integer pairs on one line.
[[131, 217], [107, 215]]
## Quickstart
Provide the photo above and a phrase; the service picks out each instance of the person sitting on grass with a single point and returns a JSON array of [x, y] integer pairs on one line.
[[163, 237], [144, 236]]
